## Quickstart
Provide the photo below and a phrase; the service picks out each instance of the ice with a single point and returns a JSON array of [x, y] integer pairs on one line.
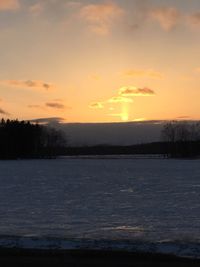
[[118, 199]]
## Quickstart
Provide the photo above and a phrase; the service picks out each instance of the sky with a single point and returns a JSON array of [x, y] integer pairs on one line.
[[100, 61]]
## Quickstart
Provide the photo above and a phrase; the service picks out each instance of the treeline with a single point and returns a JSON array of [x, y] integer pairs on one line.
[[182, 139], [21, 139], [149, 148]]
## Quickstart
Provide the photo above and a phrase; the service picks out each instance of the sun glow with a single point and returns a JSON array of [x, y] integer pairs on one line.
[[124, 116], [125, 112]]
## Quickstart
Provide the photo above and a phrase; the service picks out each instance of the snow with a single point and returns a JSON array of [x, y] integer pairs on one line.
[[125, 203]]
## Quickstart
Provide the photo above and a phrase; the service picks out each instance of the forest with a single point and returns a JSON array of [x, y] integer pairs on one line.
[[21, 139], [182, 139]]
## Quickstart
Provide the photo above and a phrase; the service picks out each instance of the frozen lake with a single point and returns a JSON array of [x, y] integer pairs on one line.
[[150, 200]]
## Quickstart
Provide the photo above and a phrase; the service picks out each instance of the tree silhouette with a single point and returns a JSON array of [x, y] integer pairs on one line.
[[183, 139], [21, 139]]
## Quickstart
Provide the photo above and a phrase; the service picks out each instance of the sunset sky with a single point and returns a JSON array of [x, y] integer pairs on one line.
[[100, 61]]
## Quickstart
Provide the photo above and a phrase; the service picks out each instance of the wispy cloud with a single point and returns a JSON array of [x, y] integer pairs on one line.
[[194, 19], [143, 73], [167, 17], [36, 9], [36, 106], [112, 100], [9, 5], [50, 120], [96, 105], [129, 91], [55, 105], [125, 95], [3, 112], [183, 118], [73, 4], [28, 84], [101, 17], [123, 100], [120, 99]]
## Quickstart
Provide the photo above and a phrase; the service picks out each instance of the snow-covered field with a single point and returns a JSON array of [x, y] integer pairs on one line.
[[145, 204]]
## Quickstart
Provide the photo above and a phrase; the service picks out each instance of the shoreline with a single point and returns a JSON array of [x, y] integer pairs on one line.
[[95, 258], [180, 249]]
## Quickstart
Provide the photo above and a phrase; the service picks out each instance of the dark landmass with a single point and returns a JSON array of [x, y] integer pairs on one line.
[[25, 140], [150, 148], [165, 149], [178, 140], [85, 258], [114, 134]]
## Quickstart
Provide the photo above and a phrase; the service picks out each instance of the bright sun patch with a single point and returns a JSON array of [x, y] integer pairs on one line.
[[124, 116], [125, 112]]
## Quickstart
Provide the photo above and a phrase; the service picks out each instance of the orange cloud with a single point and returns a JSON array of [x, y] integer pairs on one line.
[[120, 99], [28, 84], [194, 19], [3, 112], [134, 91], [167, 17], [100, 17], [73, 4], [143, 73], [35, 106], [36, 9], [96, 105], [55, 105], [9, 4], [51, 120]]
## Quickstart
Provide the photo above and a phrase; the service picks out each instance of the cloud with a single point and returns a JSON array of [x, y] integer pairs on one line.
[[73, 4], [101, 17], [194, 19], [124, 97], [3, 112], [183, 118], [9, 5], [120, 99], [112, 100], [167, 17], [55, 105], [28, 84], [96, 105], [36, 9], [51, 120], [36, 106], [134, 91], [143, 73]]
